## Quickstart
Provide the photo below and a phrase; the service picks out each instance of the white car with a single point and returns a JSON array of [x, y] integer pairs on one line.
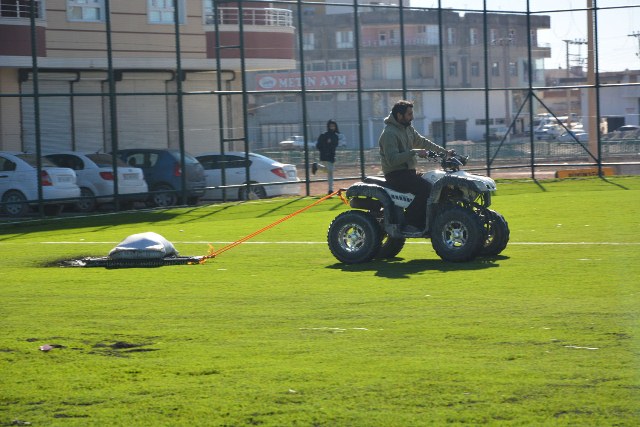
[[261, 170], [571, 136], [19, 183], [95, 178], [295, 142]]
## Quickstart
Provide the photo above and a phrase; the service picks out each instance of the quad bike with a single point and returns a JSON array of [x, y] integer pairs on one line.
[[458, 220]]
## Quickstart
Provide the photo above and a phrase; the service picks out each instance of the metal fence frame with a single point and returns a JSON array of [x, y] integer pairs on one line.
[[593, 153]]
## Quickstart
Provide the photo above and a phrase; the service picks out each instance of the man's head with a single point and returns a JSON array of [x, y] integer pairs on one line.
[[332, 126], [402, 111]]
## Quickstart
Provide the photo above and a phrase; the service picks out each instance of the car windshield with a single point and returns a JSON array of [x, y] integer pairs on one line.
[[32, 160], [103, 160]]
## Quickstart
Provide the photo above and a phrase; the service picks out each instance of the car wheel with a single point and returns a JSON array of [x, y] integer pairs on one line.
[[87, 203], [252, 193], [354, 237], [163, 196], [390, 246], [457, 234], [497, 234], [14, 203]]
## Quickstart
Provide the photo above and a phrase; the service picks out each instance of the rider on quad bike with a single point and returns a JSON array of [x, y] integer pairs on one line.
[[455, 214]]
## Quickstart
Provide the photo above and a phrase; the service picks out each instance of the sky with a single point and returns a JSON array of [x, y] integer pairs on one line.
[[617, 50]]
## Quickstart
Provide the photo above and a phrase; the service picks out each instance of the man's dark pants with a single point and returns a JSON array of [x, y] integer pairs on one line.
[[407, 181]]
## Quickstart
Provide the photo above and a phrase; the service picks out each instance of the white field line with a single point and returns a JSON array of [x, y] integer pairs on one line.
[[409, 242]]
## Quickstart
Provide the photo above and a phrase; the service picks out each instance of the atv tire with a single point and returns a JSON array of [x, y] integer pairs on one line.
[[354, 237], [497, 234], [390, 247], [457, 234]]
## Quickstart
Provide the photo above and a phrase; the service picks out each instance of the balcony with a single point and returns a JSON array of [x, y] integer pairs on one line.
[[269, 17]]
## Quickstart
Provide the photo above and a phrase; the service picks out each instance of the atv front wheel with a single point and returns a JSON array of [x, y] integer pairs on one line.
[[457, 234], [497, 231], [390, 246], [354, 237]]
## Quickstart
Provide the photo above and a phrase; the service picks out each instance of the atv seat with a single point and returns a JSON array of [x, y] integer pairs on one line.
[[378, 180]]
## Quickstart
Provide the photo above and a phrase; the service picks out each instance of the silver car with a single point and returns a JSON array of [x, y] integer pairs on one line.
[[96, 177]]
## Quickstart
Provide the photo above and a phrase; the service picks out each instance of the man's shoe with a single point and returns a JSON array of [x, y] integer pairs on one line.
[[314, 168]]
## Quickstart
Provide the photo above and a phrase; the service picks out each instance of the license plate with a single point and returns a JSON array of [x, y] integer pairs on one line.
[[65, 178], [291, 174], [130, 176]]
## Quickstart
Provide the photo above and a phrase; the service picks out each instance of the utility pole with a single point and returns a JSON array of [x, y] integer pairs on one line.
[[636, 34], [578, 56], [578, 60]]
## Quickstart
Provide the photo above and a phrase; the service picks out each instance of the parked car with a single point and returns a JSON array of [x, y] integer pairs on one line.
[[163, 172], [261, 170], [497, 133], [571, 136], [295, 142], [95, 177], [627, 128], [19, 184]]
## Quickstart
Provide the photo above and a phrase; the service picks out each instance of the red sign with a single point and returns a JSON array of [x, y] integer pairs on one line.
[[314, 80]]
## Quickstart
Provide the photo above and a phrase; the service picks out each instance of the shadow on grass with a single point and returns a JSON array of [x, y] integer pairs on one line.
[[397, 268], [614, 183], [98, 221]]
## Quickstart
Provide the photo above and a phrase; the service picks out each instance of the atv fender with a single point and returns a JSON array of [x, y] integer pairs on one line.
[[372, 197], [455, 181]]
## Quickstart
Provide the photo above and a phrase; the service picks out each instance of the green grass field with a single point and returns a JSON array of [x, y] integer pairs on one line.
[[275, 332]]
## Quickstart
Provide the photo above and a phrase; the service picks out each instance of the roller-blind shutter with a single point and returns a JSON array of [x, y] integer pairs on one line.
[[142, 119], [201, 130], [89, 124], [55, 116]]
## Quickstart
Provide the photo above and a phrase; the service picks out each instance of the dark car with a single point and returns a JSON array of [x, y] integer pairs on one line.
[[163, 172]]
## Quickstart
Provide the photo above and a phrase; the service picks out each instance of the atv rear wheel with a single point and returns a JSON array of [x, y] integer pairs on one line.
[[457, 234], [354, 237], [497, 237]]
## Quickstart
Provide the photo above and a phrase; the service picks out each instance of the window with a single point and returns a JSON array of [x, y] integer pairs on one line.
[[495, 69], [20, 8], [85, 10], [390, 38], [344, 39], [378, 73], [162, 11], [315, 66], [475, 69], [493, 36], [382, 38], [453, 69], [308, 41], [513, 69], [534, 37], [473, 36], [208, 13], [337, 65], [451, 36], [428, 34], [422, 68]]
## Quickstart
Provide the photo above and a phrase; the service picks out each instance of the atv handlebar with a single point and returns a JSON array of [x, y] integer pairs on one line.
[[448, 162]]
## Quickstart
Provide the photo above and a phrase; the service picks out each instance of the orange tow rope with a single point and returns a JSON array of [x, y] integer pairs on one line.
[[214, 253]]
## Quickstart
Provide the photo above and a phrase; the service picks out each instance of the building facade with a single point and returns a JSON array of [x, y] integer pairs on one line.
[[434, 52], [86, 73]]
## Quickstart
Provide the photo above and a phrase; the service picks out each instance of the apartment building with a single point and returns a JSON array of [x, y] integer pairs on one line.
[[381, 65], [75, 53]]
